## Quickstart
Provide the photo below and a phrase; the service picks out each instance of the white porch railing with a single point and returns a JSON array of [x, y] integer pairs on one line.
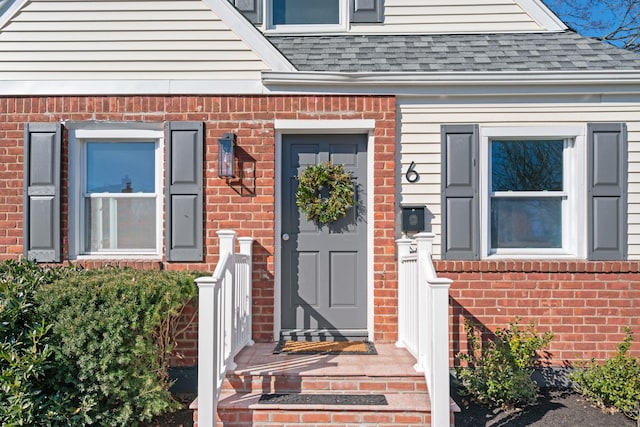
[[224, 320], [423, 320]]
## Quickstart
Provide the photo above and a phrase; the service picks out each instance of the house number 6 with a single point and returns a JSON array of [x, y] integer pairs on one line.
[[411, 175]]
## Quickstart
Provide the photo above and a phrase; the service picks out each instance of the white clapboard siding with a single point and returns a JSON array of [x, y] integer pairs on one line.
[[93, 6], [420, 143], [117, 40], [452, 16]]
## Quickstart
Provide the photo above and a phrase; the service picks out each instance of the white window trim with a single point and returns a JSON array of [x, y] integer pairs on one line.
[[575, 176], [270, 27], [77, 162]]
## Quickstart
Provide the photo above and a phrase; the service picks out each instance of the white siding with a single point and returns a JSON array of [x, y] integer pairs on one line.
[[452, 16], [112, 40], [420, 142]]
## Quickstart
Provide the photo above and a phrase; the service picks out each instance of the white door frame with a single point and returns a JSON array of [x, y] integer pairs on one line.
[[315, 127]]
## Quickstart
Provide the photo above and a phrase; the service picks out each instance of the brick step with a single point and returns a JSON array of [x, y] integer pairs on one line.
[[296, 383], [259, 371], [244, 410]]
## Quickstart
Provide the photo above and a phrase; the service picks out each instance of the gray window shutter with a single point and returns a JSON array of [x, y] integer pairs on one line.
[[367, 10], [184, 192], [607, 191], [251, 9], [460, 202], [42, 145]]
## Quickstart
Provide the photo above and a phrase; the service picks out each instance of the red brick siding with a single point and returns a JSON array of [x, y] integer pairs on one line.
[[226, 205], [586, 304]]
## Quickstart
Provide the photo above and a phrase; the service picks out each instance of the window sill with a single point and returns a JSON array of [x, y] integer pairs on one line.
[[117, 257], [306, 29], [544, 256]]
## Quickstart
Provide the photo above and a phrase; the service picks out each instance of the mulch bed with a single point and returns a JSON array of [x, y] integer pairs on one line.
[[555, 408], [181, 418]]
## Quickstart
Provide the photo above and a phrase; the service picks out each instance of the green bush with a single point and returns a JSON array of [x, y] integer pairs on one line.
[[113, 332], [28, 395], [86, 347], [498, 372], [615, 384]]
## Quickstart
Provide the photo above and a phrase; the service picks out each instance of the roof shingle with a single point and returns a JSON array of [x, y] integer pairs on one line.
[[566, 51]]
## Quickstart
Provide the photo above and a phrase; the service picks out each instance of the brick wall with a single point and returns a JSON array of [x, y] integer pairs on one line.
[[585, 304], [247, 206]]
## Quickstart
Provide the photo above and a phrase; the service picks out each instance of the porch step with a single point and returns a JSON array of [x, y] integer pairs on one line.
[[241, 410], [390, 373]]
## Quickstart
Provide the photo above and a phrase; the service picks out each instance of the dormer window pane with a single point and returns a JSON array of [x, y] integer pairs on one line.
[[302, 12]]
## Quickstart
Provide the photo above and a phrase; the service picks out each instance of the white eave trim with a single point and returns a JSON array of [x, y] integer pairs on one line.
[[462, 82], [542, 14], [275, 60], [130, 87]]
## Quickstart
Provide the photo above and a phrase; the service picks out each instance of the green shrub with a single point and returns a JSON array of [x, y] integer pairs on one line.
[[28, 395], [615, 384], [113, 332], [498, 372]]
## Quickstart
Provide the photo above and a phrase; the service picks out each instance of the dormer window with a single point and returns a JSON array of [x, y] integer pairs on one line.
[[310, 15], [305, 15], [305, 12]]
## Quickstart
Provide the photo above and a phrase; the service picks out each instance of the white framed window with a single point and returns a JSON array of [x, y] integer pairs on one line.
[[306, 15], [116, 202], [532, 192]]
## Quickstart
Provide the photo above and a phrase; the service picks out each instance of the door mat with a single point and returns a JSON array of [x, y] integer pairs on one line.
[[323, 399], [325, 347]]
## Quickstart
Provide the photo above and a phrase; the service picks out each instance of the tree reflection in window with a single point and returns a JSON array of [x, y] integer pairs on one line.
[[526, 165]]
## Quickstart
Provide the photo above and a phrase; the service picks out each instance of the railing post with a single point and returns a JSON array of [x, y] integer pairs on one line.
[[434, 340], [424, 245], [425, 242], [207, 360], [227, 239], [246, 248], [439, 308], [404, 249]]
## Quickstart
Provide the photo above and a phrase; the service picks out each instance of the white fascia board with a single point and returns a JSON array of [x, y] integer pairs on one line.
[[250, 35], [464, 83], [131, 87], [12, 8], [542, 15]]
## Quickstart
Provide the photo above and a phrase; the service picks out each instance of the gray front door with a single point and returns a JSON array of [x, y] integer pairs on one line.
[[324, 266]]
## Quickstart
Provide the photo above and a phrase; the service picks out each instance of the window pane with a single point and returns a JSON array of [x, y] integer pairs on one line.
[[526, 165], [306, 12], [121, 167], [114, 224], [526, 223]]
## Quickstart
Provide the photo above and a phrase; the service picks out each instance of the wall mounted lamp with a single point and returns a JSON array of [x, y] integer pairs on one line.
[[226, 156]]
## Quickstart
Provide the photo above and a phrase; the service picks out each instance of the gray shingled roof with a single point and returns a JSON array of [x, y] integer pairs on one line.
[[565, 51]]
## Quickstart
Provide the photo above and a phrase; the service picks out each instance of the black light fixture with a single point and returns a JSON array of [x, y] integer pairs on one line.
[[226, 156]]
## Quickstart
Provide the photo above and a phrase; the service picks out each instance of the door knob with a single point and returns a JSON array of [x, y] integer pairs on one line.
[[285, 237]]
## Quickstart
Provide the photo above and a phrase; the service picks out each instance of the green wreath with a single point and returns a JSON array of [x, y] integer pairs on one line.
[[320, 205]]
